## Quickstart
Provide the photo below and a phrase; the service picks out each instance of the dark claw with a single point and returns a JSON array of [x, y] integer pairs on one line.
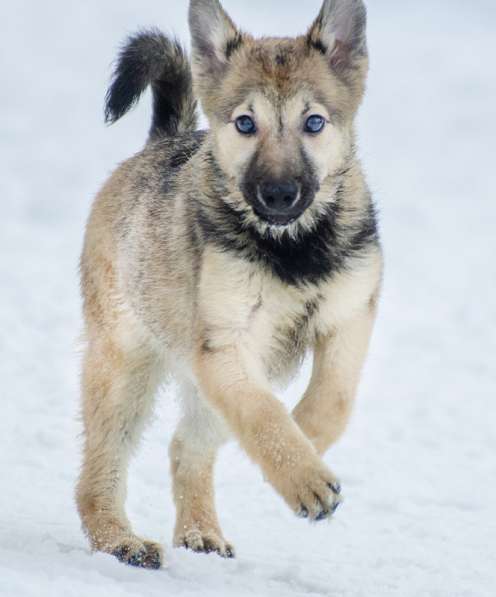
[[137, 560], [323, 515], [229, 553], [335, 506], [328, 513], [303, 513], [336, 488], [209, 548]]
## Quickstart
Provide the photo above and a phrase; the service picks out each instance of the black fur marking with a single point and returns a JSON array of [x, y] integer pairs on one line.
[[233, 45], [170, 155], [367, 230], [313, 257], [315, 42], [318, 44], [186, 149], [182, 157], [306, 260], [150, 58]]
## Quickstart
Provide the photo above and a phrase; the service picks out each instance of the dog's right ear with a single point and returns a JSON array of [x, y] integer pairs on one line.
[[214, 39]]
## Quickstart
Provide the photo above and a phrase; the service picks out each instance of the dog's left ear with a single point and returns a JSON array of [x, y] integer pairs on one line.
[[214, 39], [339, 32]]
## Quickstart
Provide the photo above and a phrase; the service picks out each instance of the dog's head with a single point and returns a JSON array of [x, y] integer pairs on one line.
[[281, 110]]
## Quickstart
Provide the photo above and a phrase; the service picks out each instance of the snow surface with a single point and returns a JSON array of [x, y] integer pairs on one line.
[[418, 461]]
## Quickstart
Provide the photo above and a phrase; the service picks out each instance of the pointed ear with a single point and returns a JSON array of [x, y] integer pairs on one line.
[[214, 38], [339, 32]]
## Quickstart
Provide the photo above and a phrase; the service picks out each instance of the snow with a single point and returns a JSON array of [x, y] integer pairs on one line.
[[418, 461]]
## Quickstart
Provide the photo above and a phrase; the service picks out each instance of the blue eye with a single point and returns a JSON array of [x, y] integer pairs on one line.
[[315, 124], [246, 125]]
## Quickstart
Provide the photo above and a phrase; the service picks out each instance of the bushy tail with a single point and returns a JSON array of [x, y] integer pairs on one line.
[[150, 58]]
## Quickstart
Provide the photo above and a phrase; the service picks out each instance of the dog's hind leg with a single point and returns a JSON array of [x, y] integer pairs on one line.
[[118, 388], [193, 452]]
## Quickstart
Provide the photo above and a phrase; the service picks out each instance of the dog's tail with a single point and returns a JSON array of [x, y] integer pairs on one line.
[[150, 58]]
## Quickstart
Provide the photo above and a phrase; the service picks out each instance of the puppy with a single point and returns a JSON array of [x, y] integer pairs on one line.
[[221, 258]]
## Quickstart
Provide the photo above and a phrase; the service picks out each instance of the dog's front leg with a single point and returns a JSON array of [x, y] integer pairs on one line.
[[232, 381], [338, 359]]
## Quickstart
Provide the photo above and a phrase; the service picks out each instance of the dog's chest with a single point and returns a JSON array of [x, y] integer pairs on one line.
[[284, 325], [243, 304]]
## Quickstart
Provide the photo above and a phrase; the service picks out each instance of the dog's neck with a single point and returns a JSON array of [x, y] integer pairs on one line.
[[309, 256]]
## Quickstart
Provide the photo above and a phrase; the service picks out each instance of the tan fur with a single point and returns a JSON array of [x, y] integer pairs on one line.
[[160, 300]]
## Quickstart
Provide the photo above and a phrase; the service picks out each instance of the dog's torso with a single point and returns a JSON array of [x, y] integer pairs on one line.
[[184, 285]]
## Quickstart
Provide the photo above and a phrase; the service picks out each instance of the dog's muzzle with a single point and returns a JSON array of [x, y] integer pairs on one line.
[[279, 203]]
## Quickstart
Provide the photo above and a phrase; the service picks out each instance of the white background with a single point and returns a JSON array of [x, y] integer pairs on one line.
[[418, 461]]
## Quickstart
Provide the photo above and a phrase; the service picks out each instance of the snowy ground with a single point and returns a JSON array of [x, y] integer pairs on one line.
[[418, 462]]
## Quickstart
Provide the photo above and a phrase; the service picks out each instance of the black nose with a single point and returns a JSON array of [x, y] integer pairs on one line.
[[279, 197], [279, 202]]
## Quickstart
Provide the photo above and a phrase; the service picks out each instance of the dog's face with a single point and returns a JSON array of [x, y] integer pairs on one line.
[[281, 110]]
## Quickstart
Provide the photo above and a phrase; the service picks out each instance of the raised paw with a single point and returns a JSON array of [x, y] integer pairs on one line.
[[309, 488], [205, 543], [144, 554], [319, 499], [322, 511]]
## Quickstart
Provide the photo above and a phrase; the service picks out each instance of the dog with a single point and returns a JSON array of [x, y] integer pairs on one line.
[[220, 258]]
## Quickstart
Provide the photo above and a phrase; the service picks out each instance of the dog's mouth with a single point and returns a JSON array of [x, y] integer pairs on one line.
[[279, 220]]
